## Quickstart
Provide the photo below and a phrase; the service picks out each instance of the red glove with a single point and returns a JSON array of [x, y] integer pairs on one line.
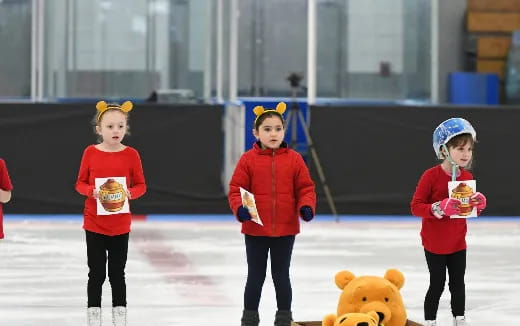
[[446, 207], [478, 200]]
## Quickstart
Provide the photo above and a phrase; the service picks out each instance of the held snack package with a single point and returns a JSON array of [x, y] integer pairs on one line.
[[462, 190], [248, 200], [112, 197]]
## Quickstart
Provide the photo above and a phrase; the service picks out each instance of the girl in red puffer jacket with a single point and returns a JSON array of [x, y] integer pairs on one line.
[[283, 190]]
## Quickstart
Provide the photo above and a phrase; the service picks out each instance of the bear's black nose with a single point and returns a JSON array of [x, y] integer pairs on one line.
[[381, 316], [363, 323]]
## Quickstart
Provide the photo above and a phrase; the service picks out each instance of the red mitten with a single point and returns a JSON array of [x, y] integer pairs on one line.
[[450, 206], [446, 207], [478, 200]]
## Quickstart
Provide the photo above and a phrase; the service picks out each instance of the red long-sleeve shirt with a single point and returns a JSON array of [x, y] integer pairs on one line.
[[281, 184], [99, 164], [5, 184], [439, 236]]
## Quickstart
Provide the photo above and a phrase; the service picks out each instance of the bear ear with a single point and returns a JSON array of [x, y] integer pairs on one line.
[[374, 315], [101, 106], [127, 106], [281, 107], [395, 277], [328, 320], [343, 278], [258, 110]]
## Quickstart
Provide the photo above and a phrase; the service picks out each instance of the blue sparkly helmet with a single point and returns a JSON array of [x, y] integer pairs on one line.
[[449, 129]]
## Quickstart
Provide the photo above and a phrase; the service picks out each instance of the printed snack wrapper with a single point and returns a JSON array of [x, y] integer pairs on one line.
[[248, 200], [112, 198], [462, 190]]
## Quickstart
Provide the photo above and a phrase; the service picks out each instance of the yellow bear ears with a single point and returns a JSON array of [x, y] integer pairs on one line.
[[394, 276], [102, 107], [280, 108], [260, 110]]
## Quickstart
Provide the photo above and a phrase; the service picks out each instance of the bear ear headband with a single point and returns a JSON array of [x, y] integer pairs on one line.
[[102, 107], [260, 110]]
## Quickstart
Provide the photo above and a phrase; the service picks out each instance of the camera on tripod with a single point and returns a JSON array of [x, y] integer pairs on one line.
[[294, 79], [294, 117]]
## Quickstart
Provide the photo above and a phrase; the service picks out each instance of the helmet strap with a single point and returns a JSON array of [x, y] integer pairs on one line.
[[453, 164]]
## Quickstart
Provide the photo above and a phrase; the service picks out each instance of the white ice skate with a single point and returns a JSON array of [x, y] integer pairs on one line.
[[119, 316], [94, 316], [460, 321], [431, 323]]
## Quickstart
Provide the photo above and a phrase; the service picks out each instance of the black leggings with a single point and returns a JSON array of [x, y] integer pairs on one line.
[[437, 265], [98, 245], [257, 249]]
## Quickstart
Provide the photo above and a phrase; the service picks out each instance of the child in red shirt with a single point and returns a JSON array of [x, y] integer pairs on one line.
[[107, 235], [283, 189], [443, 238], [5, 192]]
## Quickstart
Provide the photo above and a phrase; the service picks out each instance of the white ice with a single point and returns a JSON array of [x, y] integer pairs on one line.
[[193, 272]]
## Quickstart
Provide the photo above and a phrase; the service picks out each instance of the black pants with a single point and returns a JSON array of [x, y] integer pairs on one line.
[[99, 248], [257, 249], [437, 264]]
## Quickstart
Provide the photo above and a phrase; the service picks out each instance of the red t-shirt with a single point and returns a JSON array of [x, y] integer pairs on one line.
[[6, 185], [99, 164], [439, 236]]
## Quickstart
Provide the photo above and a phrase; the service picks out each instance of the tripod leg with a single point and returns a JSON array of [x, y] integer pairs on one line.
[[292, 120], [318, 166], [288, 120], [289, 123]]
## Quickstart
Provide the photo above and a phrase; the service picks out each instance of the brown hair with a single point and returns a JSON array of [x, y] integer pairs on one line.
[[462, 140], [268, 114]]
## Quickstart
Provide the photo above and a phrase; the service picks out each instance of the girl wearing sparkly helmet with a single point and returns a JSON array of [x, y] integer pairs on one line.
[[443, 238]]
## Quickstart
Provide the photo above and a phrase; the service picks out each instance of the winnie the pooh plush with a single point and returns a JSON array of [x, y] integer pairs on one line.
[[364, 294], [373, 293], [352, 319]]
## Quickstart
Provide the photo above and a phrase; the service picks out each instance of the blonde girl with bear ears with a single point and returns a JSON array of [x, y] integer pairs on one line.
[[443, 237], [284, 191], [107, 235]]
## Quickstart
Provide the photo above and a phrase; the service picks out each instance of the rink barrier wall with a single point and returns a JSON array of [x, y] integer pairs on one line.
[[230, 218], [372, 155]]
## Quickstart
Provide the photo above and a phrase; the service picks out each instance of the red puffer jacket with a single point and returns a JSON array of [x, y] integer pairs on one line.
[[281, 184]]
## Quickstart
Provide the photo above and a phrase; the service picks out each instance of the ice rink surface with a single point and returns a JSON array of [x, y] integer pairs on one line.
[[191, 270]]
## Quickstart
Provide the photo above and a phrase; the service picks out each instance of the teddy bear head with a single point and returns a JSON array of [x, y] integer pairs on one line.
[[373, 293], [371, 318]]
